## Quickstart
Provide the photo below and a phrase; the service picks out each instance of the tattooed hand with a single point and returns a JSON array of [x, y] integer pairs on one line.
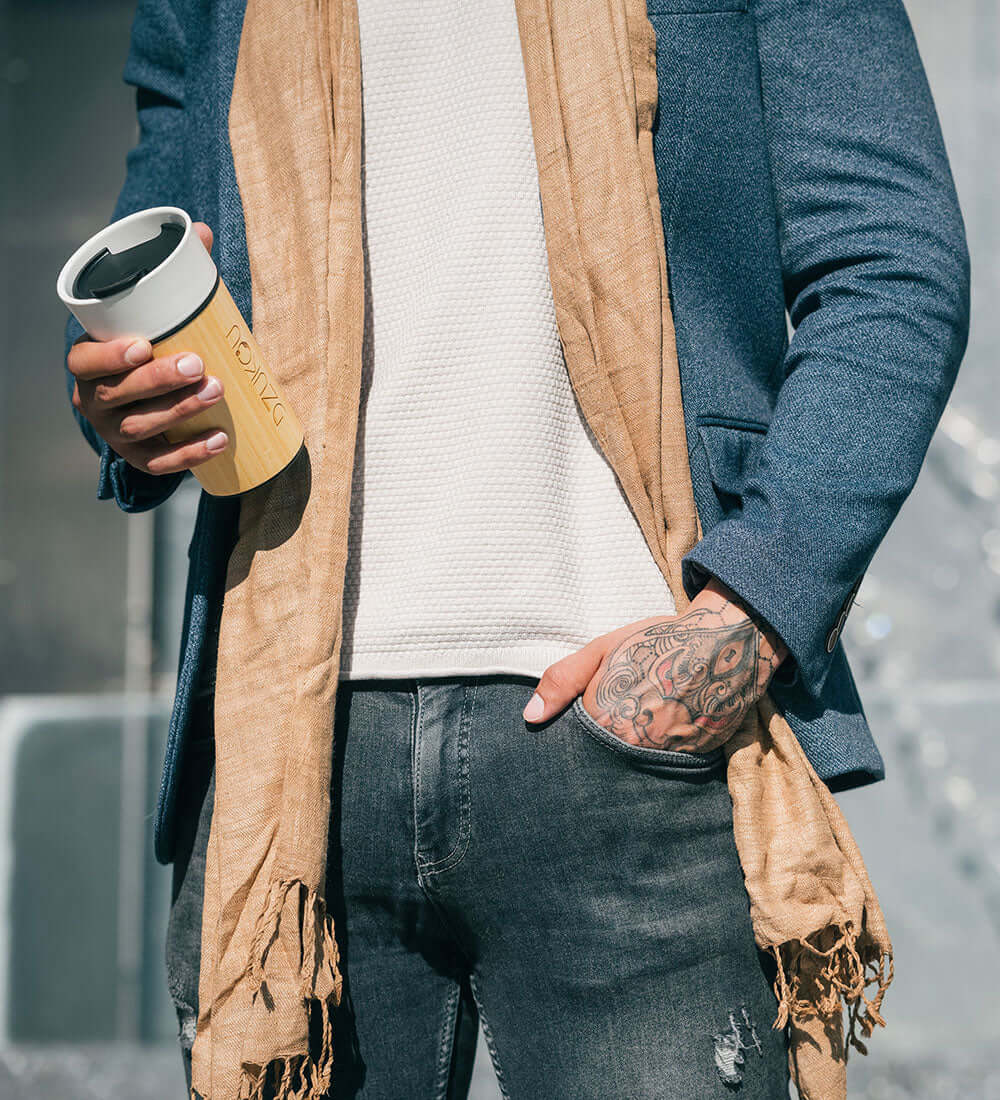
[[670, 682]]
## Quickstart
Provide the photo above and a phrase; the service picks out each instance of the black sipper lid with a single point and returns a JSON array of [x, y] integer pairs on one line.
[[112, 272]]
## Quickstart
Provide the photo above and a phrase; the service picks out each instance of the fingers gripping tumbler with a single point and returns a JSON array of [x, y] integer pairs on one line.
[[149, 275]]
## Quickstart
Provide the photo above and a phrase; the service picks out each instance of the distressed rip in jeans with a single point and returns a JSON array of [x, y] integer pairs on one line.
[[579, 897]]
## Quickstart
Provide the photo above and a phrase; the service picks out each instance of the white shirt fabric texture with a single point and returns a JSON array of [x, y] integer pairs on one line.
[[488, 532]]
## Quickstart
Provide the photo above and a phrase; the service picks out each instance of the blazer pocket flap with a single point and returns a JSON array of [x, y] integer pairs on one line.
[[732, 451]]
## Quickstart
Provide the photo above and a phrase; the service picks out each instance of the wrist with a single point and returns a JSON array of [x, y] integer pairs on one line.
[[717, 597]]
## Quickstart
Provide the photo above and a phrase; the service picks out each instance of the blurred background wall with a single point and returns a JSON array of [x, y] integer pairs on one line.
[[91, 602]]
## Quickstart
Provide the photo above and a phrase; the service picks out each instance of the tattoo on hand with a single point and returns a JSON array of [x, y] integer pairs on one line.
[[684, 682]]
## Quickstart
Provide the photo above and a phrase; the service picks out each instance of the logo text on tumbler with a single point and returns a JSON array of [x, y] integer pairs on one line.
[[244, 356]]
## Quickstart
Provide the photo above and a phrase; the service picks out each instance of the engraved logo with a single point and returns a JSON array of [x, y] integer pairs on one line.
[[257, 378]]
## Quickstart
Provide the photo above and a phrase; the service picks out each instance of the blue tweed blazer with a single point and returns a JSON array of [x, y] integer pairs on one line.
[[801, 168]]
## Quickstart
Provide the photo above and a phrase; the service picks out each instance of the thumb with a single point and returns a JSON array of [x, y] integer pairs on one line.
[[561, 681], [205, 233]]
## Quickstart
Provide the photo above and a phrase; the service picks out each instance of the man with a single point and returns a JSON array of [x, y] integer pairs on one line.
[[532, 827]]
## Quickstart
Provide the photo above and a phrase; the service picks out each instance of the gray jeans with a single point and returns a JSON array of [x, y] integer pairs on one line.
[[580, 898]]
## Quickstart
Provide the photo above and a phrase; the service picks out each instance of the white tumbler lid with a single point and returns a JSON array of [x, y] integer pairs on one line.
[[143, 275]]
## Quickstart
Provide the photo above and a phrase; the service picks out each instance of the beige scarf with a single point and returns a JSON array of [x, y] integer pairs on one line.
[[269, 959]]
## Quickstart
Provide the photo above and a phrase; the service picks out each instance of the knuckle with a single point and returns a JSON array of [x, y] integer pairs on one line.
[[183, 409], [192, 404], [159, 464], [76, 360], [130, 429], [148, 377], [194, 454], [555, 679], [165, 374]]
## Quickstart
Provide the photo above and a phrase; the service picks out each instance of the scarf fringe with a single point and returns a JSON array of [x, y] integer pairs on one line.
[[299, 1076], [817, 981]]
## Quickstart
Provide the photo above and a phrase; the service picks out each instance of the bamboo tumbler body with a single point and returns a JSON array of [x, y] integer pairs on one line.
[[148, 275]]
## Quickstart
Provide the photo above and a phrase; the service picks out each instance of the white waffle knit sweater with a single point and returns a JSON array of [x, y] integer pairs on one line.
[[488, 532]]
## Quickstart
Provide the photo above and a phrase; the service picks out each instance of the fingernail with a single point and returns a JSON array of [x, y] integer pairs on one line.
[[138, 352], [211, 389], [216, 442], [535, 708], [190, 366]]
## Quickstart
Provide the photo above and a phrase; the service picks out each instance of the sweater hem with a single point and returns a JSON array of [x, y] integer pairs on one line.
[[526, 660]]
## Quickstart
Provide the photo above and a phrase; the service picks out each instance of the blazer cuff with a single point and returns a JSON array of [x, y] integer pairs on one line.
[[132, 490]]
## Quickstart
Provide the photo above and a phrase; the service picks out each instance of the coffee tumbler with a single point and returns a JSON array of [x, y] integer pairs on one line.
[[149, 275]]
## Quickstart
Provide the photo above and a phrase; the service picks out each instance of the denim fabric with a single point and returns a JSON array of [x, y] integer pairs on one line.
[[800, 166], [580, 897]]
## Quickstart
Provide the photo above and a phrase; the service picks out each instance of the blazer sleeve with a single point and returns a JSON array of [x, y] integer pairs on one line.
[[876, 278], [155, 174]]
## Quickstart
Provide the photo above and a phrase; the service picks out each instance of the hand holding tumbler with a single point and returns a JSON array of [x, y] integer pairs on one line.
[[150, 276]]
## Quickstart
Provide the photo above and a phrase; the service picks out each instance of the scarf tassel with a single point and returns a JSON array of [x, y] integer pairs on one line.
[[816, 981], [305, 1076]]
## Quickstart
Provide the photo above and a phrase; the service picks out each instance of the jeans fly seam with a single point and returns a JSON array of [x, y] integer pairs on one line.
[[415, 718], [461, 846]]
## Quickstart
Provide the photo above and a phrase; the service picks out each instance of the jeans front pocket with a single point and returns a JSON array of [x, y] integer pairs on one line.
[[672, 762]]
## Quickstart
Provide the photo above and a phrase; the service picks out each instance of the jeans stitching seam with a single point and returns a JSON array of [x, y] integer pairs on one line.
[[446, 1045], [608, 738], [490, 1041]]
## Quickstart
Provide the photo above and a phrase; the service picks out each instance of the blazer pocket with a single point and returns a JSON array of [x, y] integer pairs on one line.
[[733, 451]]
